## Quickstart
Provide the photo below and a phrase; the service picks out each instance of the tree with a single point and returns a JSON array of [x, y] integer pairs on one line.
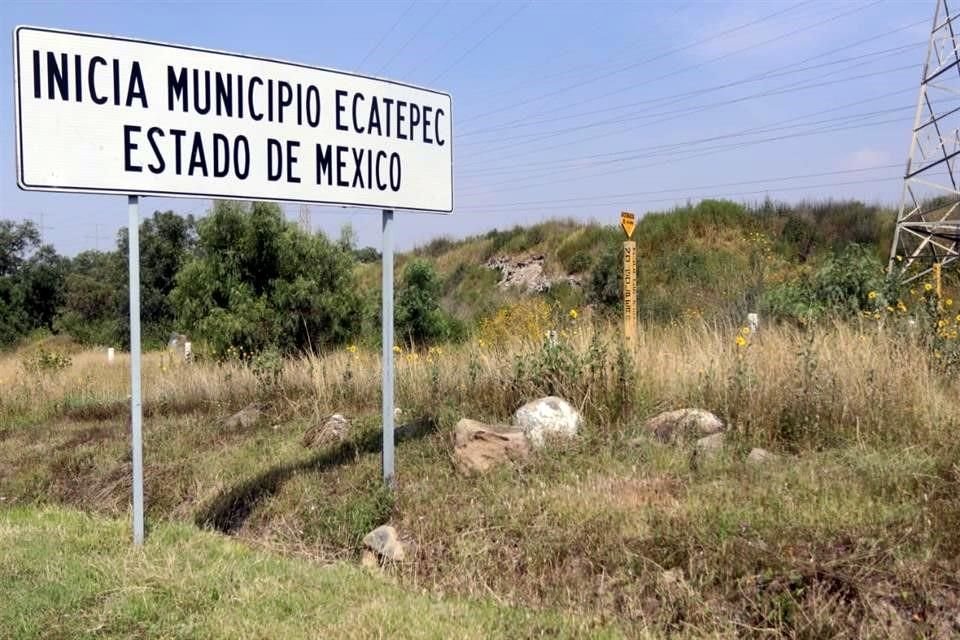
[[31, 281], [95, 302], [258, 282], [419, 319], [167, 242]]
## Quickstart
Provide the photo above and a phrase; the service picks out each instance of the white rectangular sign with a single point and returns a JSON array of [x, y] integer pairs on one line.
[[103, 114]]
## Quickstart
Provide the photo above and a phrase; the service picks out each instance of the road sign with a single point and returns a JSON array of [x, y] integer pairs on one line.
[[630, 290], [628, 222], [104, 114]]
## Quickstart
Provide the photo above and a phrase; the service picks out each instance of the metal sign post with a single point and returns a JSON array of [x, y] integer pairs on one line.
[[136, 405], [386, 323]]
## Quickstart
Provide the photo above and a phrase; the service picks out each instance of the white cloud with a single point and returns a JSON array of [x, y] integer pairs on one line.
[[866, 159]]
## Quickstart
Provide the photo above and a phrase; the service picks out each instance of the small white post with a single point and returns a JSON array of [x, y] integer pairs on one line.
[[753, 322], [111, 354], [187, 352]]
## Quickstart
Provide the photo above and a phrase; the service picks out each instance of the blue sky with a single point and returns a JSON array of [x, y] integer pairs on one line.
[[562, 108]]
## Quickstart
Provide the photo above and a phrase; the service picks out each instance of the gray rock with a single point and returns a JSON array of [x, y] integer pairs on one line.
[[334, 428], [479, 447], [683, 424], [246, 418], [706, 449], [761, 456], [385, 543], [549, 416]]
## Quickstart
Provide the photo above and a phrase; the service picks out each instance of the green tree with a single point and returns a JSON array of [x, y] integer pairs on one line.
[[167, 242], [258, 282], [31, 281], [419, 320], [95, 303], [17, 240]]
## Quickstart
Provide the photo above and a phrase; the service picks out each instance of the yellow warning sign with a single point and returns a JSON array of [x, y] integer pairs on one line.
[[628, 222]]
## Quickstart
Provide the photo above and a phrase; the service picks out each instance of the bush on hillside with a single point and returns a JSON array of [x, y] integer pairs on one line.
[[419, 320], [844, 285]]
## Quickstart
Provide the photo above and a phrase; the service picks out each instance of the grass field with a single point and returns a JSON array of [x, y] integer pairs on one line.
[[852, 533], [64, 574]]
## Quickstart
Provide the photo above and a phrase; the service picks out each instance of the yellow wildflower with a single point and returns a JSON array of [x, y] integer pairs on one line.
[[872, 295], [352, 348], [948, 302], [927, 286], [573, 314], [397, 349], [741, 341]]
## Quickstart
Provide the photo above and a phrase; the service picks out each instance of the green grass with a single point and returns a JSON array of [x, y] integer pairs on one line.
[[64, 574]]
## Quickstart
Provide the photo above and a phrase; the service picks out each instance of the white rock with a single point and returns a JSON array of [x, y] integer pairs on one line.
[[549, 416], [672, 426], [706, 449], [761, 456], [385, 542]]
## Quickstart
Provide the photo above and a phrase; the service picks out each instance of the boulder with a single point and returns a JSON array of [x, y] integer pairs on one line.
[[333, 429], [706, 449], [246, 418], [479, 447], [385, 543], [761, 456], [683, 424], [549, 416]]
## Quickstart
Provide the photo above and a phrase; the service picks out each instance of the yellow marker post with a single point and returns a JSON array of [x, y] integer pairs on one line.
[[938, 283], [628, 222]]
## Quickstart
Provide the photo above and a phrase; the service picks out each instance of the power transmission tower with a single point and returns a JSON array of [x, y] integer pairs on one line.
[[306, 225], [95, 236], [928, 222], [41, 227]]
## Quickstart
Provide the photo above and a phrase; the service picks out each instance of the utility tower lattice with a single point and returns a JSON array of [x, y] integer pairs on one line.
[[306, 225], [928, 222]]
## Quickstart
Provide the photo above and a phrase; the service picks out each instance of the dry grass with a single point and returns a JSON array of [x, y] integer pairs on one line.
[[852, 534]]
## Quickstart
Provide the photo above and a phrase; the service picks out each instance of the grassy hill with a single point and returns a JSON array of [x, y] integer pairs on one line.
[[715, 260]]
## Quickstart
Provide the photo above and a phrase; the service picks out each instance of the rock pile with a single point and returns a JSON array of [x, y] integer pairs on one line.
[[479, 447]]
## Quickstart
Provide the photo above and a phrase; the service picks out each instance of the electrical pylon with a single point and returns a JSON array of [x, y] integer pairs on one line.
[[928, 222], [306, 224]]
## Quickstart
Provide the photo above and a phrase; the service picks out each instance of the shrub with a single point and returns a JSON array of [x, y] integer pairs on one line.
[[418, 317], [259, 282]]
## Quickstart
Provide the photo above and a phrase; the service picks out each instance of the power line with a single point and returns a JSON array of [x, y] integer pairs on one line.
[[689, 142], [479, 42], [635, 194], [640, 63], [553, 57], [677, 97], [810, 114], [674, 114], [456, 34], [387, 33], [412, 37], [769, 73], [687, 155], [702, 197]]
